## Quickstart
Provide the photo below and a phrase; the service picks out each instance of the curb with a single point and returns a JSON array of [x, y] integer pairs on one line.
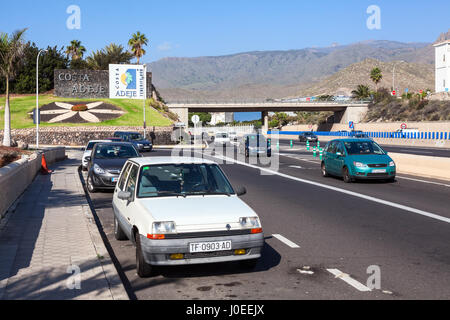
[[116, 286]]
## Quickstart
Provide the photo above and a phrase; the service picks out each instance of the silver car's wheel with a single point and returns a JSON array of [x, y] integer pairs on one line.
[[90, 185]]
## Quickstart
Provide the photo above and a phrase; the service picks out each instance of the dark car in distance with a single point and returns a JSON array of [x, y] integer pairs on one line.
[[106, 162], [307, 136], [136, 139]]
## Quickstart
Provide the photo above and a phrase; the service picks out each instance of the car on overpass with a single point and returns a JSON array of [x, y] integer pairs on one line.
[[105, 164], [307, 136], [182, 211], [355, 158]]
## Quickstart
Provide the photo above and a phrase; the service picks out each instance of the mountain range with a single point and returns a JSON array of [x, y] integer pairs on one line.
[[261, 75]]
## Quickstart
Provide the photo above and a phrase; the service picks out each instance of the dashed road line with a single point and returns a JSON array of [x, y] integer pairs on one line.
[[286, 241], [424, 181], [348, 192], [349, 280]]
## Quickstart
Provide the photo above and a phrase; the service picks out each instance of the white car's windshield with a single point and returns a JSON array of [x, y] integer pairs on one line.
[[182, 180], [222, 135]]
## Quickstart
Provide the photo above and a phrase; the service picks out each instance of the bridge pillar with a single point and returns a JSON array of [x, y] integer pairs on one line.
[[355, 114], [265, 122], [183, 114]]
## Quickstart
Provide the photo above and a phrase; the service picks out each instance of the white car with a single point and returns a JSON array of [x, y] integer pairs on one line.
[[87, 152], [179, 211], [222, 139]]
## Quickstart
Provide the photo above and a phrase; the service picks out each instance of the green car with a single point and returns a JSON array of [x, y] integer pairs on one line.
[[357, 159]]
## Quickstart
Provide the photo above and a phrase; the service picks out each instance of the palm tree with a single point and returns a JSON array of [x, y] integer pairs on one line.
[[361, 92], [376, 76], [136, 44], [11, 52], [111, 54], [75, 50]]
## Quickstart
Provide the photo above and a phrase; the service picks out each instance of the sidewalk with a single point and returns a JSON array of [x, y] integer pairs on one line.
[[50, 244]]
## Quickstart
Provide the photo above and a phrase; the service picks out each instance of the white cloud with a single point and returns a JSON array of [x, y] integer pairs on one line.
[[165, 46]]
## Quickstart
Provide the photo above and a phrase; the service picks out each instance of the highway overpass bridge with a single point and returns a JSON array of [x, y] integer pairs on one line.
[[344, 111]]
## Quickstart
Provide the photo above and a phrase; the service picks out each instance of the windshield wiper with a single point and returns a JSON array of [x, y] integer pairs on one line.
[[178, 194]]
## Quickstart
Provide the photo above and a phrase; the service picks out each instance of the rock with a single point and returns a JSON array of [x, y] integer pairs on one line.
[[22, 145]]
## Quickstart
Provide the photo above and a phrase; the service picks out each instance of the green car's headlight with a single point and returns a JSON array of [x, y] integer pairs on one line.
[[359, 164], [392, 164]]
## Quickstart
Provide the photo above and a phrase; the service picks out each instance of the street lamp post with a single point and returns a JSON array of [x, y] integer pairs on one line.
[[37, 118], [393, 74]]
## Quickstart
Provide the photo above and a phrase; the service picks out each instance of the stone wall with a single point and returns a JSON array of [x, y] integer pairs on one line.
[[17, 176], [79, 136], [87, 84]]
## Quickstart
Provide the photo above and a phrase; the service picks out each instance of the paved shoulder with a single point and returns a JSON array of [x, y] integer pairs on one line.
[[50, 246]]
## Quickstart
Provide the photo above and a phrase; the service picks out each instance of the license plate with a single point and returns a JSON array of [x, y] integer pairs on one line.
[[209, 246], [114, 179], [379, 171]]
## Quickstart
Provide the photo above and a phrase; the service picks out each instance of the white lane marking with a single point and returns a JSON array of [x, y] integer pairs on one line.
[[286, 241], [351, 193], [295, 167], [417, 151], [345, 277], [425, 181]]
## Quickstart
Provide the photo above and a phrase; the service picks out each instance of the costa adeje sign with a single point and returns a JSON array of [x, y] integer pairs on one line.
[[127, 81]]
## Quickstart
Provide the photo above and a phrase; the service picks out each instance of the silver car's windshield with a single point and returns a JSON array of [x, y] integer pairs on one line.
[[182, 180]]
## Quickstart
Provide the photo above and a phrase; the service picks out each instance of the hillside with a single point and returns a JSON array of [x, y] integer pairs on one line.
[[272, 74], [413, 76]]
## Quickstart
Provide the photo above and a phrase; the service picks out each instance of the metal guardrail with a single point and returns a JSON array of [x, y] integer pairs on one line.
[[428, 135]]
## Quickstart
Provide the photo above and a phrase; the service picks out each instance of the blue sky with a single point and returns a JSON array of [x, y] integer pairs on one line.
[[211, 27]]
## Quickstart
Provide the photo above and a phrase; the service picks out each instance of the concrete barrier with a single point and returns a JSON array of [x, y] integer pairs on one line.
[[424, 166], [17, 176]]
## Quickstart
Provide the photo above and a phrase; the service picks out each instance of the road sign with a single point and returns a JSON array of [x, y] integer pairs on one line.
[[403, 126], [406, 90], [421, 91], [393, 92], [195, 119], [351, 124], [38, 117]]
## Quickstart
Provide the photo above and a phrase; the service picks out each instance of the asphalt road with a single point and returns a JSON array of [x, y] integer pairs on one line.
[[422, 151], [324, 239]]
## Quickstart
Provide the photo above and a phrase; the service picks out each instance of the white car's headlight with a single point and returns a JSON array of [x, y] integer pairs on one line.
[[392, 164], [164, 227], [98, 169], [359, 164], [249, 222]]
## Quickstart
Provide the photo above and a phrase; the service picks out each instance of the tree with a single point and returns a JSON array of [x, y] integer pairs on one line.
[[75, 50], [111, 54], [25, 81], [11, 52], [376, 76], [136, 44], [361, 92], [205, 118]]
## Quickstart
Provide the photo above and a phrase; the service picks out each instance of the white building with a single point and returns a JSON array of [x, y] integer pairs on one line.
[[221, 117], [442, 50]]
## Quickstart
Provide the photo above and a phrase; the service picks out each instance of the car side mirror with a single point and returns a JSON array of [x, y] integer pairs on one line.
[[240, 191], [89, 158], [123, 195]]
